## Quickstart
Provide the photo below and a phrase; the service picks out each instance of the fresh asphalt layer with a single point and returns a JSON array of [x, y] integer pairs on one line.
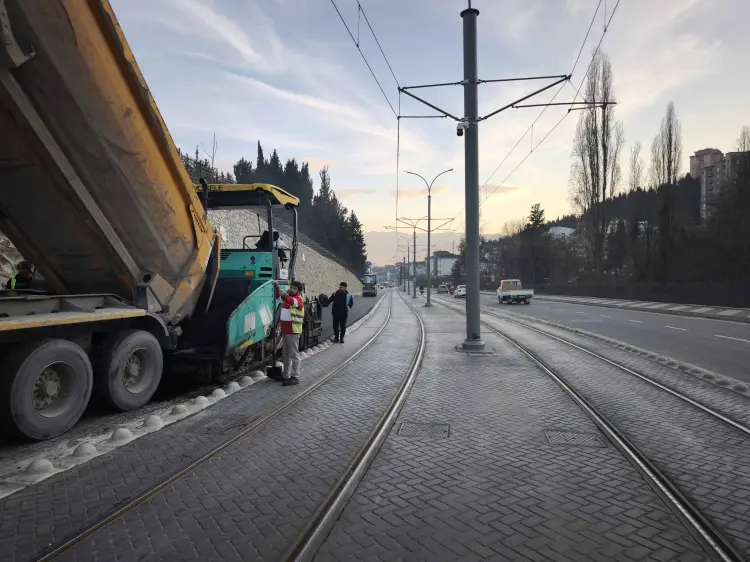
[[720, 346]]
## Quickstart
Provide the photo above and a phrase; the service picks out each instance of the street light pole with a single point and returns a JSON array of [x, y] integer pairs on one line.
[[429, 228]]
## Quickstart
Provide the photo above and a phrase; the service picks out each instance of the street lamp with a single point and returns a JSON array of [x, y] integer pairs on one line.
[[429, 216]]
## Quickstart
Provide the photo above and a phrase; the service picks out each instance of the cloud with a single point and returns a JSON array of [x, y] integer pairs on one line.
[[495, 190], [408, 192], [347, 191], [319, 163]]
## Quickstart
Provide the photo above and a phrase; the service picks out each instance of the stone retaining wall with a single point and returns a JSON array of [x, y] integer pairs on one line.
[[318, 273]]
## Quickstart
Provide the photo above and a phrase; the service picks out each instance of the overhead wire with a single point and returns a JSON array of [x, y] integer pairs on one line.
[[361, 10], [364, 58], [544, 109]]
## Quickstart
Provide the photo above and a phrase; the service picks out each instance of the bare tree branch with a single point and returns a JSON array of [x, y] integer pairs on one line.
[[597, 144], [636, 167], [743, 143], [666, 150]]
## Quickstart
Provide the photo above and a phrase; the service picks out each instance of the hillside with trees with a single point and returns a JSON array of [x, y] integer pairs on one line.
[[639, 238], [322, 217]]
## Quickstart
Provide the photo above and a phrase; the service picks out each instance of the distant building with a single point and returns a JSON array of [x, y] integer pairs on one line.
[[715, 176], [442, 263], [560, 231], [703, 159]]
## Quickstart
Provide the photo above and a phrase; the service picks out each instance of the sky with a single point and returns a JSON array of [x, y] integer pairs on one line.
[[287, 73]]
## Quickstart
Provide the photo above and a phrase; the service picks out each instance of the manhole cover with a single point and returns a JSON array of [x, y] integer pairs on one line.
[[572, 438], [426, 430]]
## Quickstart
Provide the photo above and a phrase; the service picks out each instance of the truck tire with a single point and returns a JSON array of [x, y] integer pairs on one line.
[[527, 301], [44, 389], [127, 369]]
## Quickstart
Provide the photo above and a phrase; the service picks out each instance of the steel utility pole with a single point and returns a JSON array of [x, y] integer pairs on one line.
[[471, 155], [429, 229]]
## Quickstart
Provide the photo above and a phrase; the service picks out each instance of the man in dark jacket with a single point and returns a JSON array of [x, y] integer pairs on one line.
[[341, 302]]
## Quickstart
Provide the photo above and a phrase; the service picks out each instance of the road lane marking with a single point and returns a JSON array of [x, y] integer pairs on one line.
[[605, 316], [675, 328], [580, 313], [636, 321], [730, 338], [559, 310]]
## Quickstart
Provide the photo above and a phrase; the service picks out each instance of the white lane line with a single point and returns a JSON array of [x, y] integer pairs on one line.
[[605, 316], [559, 310], [580, 313], [636, 321], [730, 338], [675, 328]]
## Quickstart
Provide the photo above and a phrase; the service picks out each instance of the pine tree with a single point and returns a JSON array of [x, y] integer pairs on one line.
[[243, 171]]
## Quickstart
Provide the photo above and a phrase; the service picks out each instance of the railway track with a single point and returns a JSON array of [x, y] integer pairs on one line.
[[310, 538], [714, 541]]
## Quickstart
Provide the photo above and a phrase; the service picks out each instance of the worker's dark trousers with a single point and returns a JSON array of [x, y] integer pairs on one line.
[[339, 325]]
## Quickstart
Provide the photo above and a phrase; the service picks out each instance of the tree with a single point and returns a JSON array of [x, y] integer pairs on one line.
[[666, 150], [636, 167], [243, 171], [743, 143], [597, 144]]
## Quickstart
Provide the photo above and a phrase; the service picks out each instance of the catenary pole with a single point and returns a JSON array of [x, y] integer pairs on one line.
[[473, 339], [414, 263]]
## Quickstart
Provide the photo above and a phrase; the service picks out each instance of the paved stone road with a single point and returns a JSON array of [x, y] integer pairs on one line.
[[708, 460], [46, 514], [495, 488], [252, 500]]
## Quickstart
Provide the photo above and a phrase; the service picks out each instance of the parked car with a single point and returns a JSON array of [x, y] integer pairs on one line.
[[460, 292], [443, 289], [511, 291]]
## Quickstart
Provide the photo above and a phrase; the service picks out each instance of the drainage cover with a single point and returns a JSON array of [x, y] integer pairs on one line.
[[572, 438], [425, 430]]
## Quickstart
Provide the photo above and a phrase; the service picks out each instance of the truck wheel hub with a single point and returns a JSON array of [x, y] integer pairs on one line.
[[46, 388], [132, 371]]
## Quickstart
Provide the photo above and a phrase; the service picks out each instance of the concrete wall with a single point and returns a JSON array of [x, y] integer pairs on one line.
[[319, 273]]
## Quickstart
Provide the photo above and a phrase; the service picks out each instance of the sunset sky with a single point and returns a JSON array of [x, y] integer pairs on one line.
[[286, 72]]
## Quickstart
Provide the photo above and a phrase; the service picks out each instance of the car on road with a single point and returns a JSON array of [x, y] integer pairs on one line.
[[460, 292], [443, 289], [511, 291]]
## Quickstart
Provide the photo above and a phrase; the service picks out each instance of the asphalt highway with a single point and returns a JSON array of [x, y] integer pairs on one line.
[[723, 347]]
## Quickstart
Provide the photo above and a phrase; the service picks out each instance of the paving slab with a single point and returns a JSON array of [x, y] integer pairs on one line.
[[521, 473], [34, 519], [708, 460], [252, 500]]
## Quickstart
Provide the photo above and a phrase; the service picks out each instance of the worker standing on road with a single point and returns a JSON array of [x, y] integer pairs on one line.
[[23, 277], [292, 317], [342, 303]]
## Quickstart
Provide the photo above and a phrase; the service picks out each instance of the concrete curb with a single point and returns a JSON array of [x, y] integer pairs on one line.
[[741, 316], [33, 469], [738, 315]]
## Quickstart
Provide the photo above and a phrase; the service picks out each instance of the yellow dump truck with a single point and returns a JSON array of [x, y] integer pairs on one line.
[[94, 194]]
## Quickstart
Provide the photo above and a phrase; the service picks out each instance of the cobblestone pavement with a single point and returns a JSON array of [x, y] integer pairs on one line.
[[34, 519], [708, 460], [251, 501], [492, 486], [722, 400]]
